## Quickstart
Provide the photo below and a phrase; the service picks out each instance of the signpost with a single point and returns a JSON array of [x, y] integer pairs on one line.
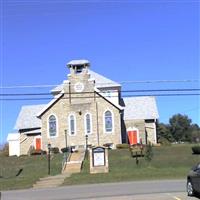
[[98, 156], [99, 160], [49, 149]]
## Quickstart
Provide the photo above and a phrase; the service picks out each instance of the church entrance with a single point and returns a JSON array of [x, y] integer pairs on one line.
[[38, 144], [133, 136]]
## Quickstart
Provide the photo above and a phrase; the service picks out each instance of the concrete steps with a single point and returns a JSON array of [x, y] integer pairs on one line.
[[73, 167], [51, 181], [74, 164]]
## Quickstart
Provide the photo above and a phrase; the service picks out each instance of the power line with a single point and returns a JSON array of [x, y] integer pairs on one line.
[[27, 86], [121, 82], [123, 91], [85, 97], [163, 81], [164, 90]]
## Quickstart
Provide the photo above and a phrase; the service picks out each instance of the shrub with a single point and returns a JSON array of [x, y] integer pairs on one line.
[[148, 152], [5, 150], [65, 149], [164, 141], [122, 146], [55, 150], [196, 149], [43, 152], [37, 152], [108, 145]]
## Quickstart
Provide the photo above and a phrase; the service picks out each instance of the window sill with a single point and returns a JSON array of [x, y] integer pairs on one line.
[[51, 137], [109, 133]]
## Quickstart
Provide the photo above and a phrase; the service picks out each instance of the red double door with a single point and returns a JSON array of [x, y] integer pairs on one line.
[[133, 137], [38, 143]]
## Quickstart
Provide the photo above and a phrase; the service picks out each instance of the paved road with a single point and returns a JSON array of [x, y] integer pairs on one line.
[[140, 190]]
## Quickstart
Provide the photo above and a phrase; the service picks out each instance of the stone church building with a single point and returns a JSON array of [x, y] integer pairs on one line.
[[89, 105]]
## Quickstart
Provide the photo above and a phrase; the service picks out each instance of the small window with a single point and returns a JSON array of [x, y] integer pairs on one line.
[[88, 124], [52, 126], [79, 69], [108, 94], [72, 124], [108, 121]]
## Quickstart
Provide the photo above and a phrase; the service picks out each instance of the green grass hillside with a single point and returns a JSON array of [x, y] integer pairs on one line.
[[170, 162], [33, 167]]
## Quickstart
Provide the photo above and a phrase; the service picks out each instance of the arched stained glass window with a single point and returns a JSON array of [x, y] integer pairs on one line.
[[108, 121], [52, 126], [88, 124], [72, 124]]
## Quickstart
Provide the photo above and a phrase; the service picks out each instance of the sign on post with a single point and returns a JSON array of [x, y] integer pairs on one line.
[[98, 156], [99, 160]]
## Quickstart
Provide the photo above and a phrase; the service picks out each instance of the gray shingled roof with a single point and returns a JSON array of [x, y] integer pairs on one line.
[[135, 108], [57, 89], [101, 82], [27, 117], [140, 108], [78, 62]]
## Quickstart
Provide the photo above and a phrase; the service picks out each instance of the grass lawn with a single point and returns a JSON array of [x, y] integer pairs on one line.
[[169, 162], [33, 167]]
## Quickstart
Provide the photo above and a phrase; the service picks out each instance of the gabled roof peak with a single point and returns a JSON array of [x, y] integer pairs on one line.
[[100, 82]]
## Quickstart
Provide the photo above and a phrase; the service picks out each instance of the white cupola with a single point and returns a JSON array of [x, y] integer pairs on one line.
[[78, 66]]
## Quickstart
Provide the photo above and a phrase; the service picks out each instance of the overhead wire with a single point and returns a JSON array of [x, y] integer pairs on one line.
[[87, 97], [123, 91], [99, 84]]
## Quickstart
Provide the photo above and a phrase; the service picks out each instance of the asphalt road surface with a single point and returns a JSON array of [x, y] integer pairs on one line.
[[140, 190]]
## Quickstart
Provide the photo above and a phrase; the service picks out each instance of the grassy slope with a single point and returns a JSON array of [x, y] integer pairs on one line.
[[171, 162], [168, 163], [34, 167]]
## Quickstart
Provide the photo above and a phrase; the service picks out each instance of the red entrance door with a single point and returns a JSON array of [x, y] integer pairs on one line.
[[132, 136], [38, 143]]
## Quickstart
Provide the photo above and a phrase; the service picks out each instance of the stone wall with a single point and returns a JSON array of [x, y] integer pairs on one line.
[[147, 129], [150, 127], [25, 143], [140, 125], [78, 105]]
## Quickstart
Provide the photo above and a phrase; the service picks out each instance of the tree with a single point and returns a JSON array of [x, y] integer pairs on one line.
[[194, 133], [4, 149], [180, 127], [163, 133]]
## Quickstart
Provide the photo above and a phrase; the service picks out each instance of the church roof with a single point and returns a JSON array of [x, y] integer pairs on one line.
[[78, 62], [100, 81], [140, 108], [54, 100], [27, 117], [134, 108]]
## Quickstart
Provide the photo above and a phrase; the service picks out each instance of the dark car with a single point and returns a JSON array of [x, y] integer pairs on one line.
[[193, 181]]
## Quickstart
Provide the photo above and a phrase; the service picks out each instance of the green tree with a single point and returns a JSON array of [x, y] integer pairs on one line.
[[4, 149], [194, 133], [163, 133], [180, 127]]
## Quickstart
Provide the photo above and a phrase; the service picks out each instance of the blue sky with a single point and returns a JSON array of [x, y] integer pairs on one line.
[[123, 40]]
